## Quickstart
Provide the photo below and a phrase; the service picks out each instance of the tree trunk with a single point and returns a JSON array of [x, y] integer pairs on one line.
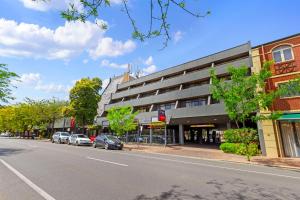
[[237, 123]]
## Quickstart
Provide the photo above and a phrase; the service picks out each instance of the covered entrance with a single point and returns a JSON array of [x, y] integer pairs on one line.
[[202, 134], [289, 125]]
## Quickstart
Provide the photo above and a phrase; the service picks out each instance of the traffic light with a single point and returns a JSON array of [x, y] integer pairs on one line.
[[161, 115]]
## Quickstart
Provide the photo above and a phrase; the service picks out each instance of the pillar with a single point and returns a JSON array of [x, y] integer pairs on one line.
[[150, 136], [181, 137]]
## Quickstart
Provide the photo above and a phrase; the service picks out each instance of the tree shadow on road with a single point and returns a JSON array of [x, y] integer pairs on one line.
[[10, 151], [175, 193], [235, 189]]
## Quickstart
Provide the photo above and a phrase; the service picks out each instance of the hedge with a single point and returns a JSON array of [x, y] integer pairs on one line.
[[239, 148]]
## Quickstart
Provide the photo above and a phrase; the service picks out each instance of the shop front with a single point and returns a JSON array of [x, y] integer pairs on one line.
[[289, 127]]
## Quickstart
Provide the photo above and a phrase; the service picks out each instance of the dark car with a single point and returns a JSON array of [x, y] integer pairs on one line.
[[108, 142]]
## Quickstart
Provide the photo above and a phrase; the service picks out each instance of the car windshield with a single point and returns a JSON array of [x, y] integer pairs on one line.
[[65, 134], [81, 136], [113, 138]]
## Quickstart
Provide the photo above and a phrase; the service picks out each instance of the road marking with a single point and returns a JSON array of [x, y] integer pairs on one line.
[[209, 165], [106, 161], [39, 190]]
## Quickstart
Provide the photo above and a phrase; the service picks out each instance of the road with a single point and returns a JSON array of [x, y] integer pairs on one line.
[[41, 170]]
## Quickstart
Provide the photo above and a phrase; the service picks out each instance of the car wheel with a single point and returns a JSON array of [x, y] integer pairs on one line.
[[76, 143], [106, 146], [94, 145], [59, 141]]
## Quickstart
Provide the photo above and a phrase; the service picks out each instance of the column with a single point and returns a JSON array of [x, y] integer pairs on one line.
[[150, 136], [181, 138]]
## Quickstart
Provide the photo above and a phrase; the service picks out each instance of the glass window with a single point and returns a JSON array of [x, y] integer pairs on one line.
[[168, 106], [196, 103], [188, 104], [291, 88], [282, 54]]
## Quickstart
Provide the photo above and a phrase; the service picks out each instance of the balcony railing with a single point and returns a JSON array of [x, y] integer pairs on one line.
[[286, 67]]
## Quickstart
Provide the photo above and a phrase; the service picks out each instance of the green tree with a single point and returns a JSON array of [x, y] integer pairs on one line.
[[84, 98], [121, 119], [5, 83], [245, 93], [158, 24]]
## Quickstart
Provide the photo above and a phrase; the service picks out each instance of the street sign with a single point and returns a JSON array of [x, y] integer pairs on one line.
[[161, 115]]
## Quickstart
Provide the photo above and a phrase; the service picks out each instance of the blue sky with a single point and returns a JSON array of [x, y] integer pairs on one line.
[[50, 54]]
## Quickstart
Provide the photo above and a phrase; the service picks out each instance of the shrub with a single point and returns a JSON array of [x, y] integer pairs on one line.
[[240, 148], [243, 135], [229, 147]]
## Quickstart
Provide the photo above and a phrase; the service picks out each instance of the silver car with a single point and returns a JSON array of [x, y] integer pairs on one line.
[[60, 137], [79, 139]]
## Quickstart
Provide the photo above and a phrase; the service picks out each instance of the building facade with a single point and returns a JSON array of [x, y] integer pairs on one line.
[[183, 91], [281, 137]]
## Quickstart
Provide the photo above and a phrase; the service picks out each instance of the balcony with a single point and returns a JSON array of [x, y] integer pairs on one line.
[[190, 77], [196, 91], [286, 67]]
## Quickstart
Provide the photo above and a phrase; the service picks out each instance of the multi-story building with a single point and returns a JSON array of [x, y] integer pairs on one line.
[[281, 137], [183, 91]]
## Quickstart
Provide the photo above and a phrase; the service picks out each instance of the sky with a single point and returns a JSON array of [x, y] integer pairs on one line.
[[50, 54]]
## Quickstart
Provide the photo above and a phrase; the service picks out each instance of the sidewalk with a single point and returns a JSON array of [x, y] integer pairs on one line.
[[208, 152]]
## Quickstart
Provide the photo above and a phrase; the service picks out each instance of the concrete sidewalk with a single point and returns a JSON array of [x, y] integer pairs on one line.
[[208, 152]]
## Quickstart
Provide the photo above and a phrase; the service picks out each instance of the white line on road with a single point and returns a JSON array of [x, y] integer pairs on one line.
[[209, 165], [124, 165], [39, 190]]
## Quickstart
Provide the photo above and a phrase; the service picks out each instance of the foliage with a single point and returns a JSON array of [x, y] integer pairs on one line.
[[241, 141], [5, 83], [228, 147], [84, 98], [158, 16], [245, 93], [240, 135], [30, 115], [239, 148], [121, 119]]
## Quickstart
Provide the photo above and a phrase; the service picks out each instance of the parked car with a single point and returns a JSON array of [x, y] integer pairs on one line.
[[79, 139], [108, 142], [6, 134], [60, 137]]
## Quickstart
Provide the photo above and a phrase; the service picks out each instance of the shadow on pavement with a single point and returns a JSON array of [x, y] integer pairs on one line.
[[10, 151], [235, 189]]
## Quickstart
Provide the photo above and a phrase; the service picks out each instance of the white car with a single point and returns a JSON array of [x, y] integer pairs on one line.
[[79, 139]]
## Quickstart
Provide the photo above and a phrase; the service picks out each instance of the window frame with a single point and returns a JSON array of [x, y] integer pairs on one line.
[[277, 84], [281, 50]]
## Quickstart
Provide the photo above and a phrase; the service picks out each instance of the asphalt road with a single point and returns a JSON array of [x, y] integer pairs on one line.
[[41, 170]]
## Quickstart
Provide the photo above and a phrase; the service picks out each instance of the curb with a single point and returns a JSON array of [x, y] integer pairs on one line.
[[297, 169]]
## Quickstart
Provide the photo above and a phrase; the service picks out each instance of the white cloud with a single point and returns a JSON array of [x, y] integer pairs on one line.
[[149, 61], [150, 69], [178, 36], [64, 42], [27, 79], [107, 63], [34, 81], [108, 47], [85, 61], [52, 88]]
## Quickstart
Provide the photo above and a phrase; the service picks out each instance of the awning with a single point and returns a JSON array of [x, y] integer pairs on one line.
[[290, 117]]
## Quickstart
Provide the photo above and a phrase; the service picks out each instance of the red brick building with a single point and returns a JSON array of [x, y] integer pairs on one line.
[[281, 137]]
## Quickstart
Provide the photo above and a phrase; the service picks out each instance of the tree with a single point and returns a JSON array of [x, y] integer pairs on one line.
[[5, 83], [245, 93], [158, 16], [84, 98], [121, 119]]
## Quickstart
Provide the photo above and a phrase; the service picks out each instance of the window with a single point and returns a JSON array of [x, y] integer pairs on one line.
[[292, 89], [282, 54]]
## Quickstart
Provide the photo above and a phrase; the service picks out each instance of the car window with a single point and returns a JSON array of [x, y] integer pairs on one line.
[[81, 136], [65, 134], [113, 138]]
